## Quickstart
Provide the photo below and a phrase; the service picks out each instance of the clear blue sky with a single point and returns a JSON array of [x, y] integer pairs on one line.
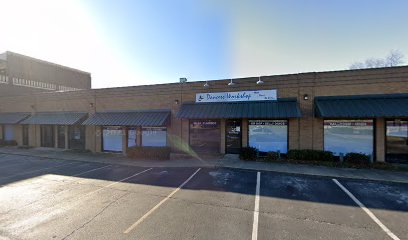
[[125, 42]]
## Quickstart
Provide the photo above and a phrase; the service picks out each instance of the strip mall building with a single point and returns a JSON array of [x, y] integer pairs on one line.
[[362, 111]]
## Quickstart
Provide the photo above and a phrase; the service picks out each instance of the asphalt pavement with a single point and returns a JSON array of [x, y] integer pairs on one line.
[[42, 198]]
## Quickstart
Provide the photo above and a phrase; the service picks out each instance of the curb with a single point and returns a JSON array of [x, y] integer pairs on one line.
[[315, 175], [218, 165]]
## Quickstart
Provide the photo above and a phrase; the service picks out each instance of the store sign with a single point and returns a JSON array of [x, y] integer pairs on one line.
[[259, 95], [268, 122], [351, 123], [204, 124]]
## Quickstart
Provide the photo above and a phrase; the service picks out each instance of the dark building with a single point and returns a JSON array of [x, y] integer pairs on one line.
[[21, 74]]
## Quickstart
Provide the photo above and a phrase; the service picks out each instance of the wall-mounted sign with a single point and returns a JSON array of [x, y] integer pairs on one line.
[[259, 95], [268, 122]]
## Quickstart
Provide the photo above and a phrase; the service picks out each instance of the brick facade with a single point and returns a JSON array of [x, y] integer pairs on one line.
[[304, 133]]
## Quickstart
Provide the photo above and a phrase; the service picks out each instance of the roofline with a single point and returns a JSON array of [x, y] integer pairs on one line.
[[365, 96], [98, 90], [263, 76], [56, 112], [137, 111], [46, 62]]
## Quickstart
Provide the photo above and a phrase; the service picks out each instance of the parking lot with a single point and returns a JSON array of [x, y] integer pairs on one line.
[[59, 199]]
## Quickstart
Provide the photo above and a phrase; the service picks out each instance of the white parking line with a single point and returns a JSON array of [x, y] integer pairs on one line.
[[256, 209], [369, 213], [37, 170], [92, 170], [160, 203], [114, 183]]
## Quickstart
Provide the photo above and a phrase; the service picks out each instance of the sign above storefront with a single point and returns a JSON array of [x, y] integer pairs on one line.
[[259, 95]]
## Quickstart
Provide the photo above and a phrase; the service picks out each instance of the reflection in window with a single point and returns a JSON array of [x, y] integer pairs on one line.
[[77, 137], [269, 135], [345, 136], [205, 135], [154, 137], [397, 141], [112, 139]]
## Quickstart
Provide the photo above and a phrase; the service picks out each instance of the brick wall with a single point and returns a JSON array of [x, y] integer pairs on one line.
[[306, 132]]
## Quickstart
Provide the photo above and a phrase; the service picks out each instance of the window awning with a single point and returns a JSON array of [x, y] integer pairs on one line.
[[363, 106], [280, 109], [153, 118], [56, 118], [12, 118]]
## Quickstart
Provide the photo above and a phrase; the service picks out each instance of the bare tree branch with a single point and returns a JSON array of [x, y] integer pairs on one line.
[[394, 58]]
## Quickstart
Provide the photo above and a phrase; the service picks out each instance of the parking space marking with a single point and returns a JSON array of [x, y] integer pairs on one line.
[[37, 170], [256, 209], [134, 225], [114, 183], [369, 213], [92, 170]]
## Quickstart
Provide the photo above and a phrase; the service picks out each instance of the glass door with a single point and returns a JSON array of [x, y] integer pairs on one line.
[[397, 141], [76, 137], [61, 136], [233, 136], [47, 136]]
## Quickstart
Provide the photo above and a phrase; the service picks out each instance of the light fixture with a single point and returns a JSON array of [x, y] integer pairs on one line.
[[260, 81], [305, 97], [176, 101], [231, 83], [91, 105], [206, 85]]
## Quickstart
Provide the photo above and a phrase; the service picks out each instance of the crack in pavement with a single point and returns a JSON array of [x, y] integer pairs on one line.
[[281, 216], [93, 218]]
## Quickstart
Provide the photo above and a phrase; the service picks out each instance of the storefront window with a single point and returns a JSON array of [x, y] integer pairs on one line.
[[345, 136], [154, 137], [268, 135], [397, 141], [112, 139], [8, 132], [205, 135]]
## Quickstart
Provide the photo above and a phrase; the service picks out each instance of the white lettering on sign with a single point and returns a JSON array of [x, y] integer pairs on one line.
[[259, 95]]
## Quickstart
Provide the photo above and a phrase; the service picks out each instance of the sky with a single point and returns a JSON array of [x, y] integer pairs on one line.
[[139, 42]]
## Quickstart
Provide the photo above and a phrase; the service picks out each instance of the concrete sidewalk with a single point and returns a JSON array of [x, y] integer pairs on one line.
[[107, 158], [229, 161], [323, 171]]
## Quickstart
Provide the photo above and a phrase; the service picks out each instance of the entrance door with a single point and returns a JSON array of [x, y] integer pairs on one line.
[[77, 137], [233, 136], [61, 136], [47, 136], [25, 135], [397, 141]]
